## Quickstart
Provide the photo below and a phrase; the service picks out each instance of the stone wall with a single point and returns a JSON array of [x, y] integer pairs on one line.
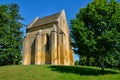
[[48, 44]]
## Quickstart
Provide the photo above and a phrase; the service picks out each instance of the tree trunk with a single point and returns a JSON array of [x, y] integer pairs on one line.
[[88, 61], [102, 63], [102, 60], [102, 66]]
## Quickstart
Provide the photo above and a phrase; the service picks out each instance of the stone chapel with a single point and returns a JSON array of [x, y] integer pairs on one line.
[[47, 41]]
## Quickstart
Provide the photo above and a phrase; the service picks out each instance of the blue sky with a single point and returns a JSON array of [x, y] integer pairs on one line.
[[29, 9]]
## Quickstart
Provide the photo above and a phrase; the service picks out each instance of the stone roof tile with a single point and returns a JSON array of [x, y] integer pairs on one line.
[[44, 20]]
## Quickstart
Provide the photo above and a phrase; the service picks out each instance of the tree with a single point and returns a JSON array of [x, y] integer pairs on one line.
[[96, 32], [76, 62], [10, 34]]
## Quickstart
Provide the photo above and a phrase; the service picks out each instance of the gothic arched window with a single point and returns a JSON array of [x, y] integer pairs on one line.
[[47, 43]]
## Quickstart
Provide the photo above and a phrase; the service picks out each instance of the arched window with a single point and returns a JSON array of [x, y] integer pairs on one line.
[[47, 43]]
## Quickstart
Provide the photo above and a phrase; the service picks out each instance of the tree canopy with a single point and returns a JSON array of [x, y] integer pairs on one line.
[[10, 34], [96, 33]]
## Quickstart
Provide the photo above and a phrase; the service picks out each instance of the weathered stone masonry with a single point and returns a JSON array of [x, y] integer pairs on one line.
[[47, 41]]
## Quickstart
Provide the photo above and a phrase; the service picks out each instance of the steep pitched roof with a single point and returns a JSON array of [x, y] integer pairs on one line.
[[40, 21]]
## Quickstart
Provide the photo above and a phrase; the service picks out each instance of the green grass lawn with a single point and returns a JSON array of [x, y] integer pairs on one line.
[[47, 72]]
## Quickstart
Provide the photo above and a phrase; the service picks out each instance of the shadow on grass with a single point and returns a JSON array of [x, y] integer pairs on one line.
[[81, 70]]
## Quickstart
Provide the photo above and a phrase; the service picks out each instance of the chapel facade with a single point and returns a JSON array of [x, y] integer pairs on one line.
[[47, 41]]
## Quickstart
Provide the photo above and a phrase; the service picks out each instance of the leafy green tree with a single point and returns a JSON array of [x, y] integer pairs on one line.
[[76, 62], [10, 34], [96, 32]]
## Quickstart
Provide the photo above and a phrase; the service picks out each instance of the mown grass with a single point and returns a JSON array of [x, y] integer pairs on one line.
[[49, 72]]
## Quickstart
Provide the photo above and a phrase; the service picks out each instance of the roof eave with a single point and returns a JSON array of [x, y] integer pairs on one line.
[[29, 26], [55, 21]]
